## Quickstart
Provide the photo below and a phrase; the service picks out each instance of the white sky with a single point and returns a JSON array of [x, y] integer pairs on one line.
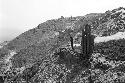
[[17, 16]]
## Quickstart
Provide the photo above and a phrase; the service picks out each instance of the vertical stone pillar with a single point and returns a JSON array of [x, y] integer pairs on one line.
[[87, 42]]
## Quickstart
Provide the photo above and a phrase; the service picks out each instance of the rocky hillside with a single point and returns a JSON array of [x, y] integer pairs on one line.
[[44, 55], [103, 24], [3, 43]]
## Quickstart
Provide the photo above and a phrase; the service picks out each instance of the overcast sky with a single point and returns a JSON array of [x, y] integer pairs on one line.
[[17, 16]]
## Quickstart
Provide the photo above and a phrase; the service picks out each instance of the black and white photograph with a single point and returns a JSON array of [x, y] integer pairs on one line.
[[62, 41]]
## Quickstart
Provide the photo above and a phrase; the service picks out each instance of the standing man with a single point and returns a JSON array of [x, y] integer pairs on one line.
[[71, 40]]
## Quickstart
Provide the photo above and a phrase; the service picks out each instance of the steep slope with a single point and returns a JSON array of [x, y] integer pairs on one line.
[[36, 35], [107, 23], [51, 34], [39, 47]]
